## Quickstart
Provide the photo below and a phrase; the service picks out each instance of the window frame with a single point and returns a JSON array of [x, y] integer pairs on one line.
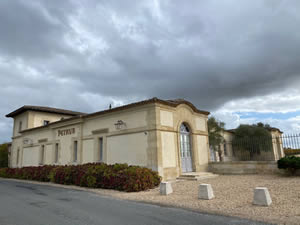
[[225, 149], [42, 155], [56, 153], [18, 156], [100, 149], [20, 125], [75, 151]]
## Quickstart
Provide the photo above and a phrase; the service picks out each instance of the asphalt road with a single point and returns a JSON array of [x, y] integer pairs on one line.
[[31, 204]]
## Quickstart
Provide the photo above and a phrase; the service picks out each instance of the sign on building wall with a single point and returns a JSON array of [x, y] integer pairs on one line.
[[66, 132]]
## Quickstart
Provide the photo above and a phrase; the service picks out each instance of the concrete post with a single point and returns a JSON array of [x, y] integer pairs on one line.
[[205, 192], [262, 197], [165, 188]]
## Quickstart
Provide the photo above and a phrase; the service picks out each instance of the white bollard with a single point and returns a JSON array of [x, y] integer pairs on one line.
[[205, 192], [165, 188], [262, 197]]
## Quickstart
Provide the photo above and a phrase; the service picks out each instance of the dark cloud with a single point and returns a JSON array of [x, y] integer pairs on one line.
[[32, 29], [69, 53]]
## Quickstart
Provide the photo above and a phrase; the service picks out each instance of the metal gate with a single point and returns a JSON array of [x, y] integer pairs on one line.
[[185, 149]]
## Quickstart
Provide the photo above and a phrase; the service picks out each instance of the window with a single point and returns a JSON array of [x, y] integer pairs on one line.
[[46, 122], [225, 149], [75, 151], [20, 126], [56, 153], [101, 149], [42, 154], [18, 156]]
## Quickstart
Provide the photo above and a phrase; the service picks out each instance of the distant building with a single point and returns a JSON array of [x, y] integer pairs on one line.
[[168, 136], [230, 152]]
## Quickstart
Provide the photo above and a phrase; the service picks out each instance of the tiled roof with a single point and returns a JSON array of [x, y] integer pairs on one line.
[[172, 103], [43, 109]]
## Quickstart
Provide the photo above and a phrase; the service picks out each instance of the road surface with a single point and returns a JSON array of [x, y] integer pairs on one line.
[[31, 204]]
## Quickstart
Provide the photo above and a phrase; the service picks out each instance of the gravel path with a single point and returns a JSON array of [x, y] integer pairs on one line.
[[234, 196]]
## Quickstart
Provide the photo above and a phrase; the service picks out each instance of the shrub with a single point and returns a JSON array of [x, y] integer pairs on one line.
[[289, 163], [3, 155], [40, 173], [3, 172], [99, 175], [94, 175]]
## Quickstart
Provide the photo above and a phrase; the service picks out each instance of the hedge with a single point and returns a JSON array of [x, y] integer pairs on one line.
[[94, 175], [289, 163]]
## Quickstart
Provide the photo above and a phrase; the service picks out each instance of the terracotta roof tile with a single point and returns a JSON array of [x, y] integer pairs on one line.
[[43, 109]]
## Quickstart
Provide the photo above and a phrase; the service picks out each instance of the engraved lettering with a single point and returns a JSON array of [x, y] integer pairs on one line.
[[65, 132]]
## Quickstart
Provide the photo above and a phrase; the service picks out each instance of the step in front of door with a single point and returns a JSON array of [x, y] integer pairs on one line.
[[201, 176]]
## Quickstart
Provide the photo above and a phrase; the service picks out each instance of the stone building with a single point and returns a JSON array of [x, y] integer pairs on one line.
[[228, 153], [168, 136]]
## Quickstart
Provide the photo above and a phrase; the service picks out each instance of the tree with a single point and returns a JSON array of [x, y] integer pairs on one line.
[[3, 155], [253, 138], [258, 130], [215, 129]]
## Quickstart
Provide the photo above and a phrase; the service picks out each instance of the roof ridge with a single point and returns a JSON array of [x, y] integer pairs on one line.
[[48, 109]]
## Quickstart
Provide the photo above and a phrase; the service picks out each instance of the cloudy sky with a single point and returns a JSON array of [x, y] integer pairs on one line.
[[238, 59]]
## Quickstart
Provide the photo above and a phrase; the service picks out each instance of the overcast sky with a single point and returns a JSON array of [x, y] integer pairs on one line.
[[238, 59]]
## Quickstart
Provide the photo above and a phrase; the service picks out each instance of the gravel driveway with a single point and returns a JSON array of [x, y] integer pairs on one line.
[[234, 196]]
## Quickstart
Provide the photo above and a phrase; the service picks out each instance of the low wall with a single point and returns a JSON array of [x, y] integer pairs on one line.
[[244, 167]]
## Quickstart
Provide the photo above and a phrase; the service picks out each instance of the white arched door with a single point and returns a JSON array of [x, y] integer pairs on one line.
[[185, 149]]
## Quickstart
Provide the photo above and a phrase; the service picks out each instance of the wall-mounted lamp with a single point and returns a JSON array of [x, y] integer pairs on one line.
[[120, 124]]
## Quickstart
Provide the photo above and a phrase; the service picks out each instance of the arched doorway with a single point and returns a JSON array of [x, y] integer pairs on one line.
[[185, 149]]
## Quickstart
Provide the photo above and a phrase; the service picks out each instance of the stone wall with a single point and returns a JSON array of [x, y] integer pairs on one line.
[[169, 120], [244, 167]]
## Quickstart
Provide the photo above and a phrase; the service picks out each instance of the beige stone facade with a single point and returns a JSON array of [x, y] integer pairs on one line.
[[228, 155], [145, 133]]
